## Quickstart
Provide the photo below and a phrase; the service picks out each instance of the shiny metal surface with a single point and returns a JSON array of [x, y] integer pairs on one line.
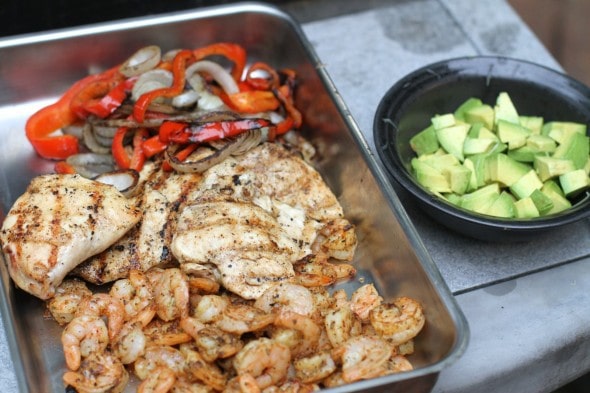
[[35, 69]]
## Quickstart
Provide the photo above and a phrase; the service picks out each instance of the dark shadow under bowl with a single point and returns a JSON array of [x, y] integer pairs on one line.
[[440, 88]]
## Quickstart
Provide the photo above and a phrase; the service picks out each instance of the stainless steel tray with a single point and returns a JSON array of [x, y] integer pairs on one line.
[[35, 69]]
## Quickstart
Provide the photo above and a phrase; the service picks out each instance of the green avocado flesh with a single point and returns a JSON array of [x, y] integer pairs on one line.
[[492, 160]]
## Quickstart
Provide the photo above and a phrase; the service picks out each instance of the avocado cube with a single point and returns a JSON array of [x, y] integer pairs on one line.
[[576, 148], [561, 130], [555, 193], [505, 109], [541, 143], [453, 198], [550, 167], [574, 182], [459, 177], [503, 206], [425, 142], [587, 166], [480, 200], [525, 186], [473, 177], [525, 208], [430, 177], [533, 123], [543, 203], [452, 139], [523, 154], [477, 145], [468, 104], [443, 121], [485, 133], [481, 114], [504, 169], [512, 134]]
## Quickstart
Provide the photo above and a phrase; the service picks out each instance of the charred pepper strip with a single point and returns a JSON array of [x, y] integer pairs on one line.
[[224, 129], [233, 52], [111, 100], [179, 78], [55, 116]]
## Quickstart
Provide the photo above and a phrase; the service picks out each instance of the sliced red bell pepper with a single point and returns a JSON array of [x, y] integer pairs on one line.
[[213, 131], [45, 121], [180, 155], [122, 158], [153, 146], [173, 130], [62, 167], [253, 101], [234, 52], [104, 105], [179, 78], [271, 82]]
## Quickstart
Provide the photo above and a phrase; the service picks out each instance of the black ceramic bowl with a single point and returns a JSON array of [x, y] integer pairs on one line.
[[440, 88]]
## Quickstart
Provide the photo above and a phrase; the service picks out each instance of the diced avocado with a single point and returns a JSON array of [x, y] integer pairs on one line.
[[481, 114], [443, 121], [543, 203], [575, 148], [478, 145], [525, 186], [561, 130], [523, 154], [574, 182], [512, 134], [473, 178], [587, 166], [533, 123], [504, 169], [468, 104], [549, 167], [554, 192], [452, 139], [480, 200], [525, 208], [505, 109], [474, 130], [453, 198], [440, 161], [458, 177], [424, 142], [485, 133], [503, 206], [541, 143], [430, 177]]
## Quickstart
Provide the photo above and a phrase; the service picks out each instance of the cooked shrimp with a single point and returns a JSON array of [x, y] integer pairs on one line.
[[363, 300], [398, 321], [314, 368], [159, 356], [337, 239], [160, 380], [244, 383], [137, 296], [266, 360], [398, 363], [292, 387], [334, 380], [172, 294], [160, 332], [287, 296], [314, 274], [203, 284], [306, 326], [68, 296], [216, 344], [102, 304], [210, 308], [183, 385], [83, 336], [363, 358], [339, 324], [100, 372], [199, 369], [242, 318], [192, 326], [130, 343]]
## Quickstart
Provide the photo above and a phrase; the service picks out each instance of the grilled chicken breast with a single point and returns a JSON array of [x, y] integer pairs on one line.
[[60, 221]]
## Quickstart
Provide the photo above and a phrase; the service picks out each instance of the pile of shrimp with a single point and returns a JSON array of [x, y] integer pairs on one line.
[[179, 331]]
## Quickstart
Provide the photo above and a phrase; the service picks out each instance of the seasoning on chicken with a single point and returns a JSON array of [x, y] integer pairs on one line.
[[60, 221]]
